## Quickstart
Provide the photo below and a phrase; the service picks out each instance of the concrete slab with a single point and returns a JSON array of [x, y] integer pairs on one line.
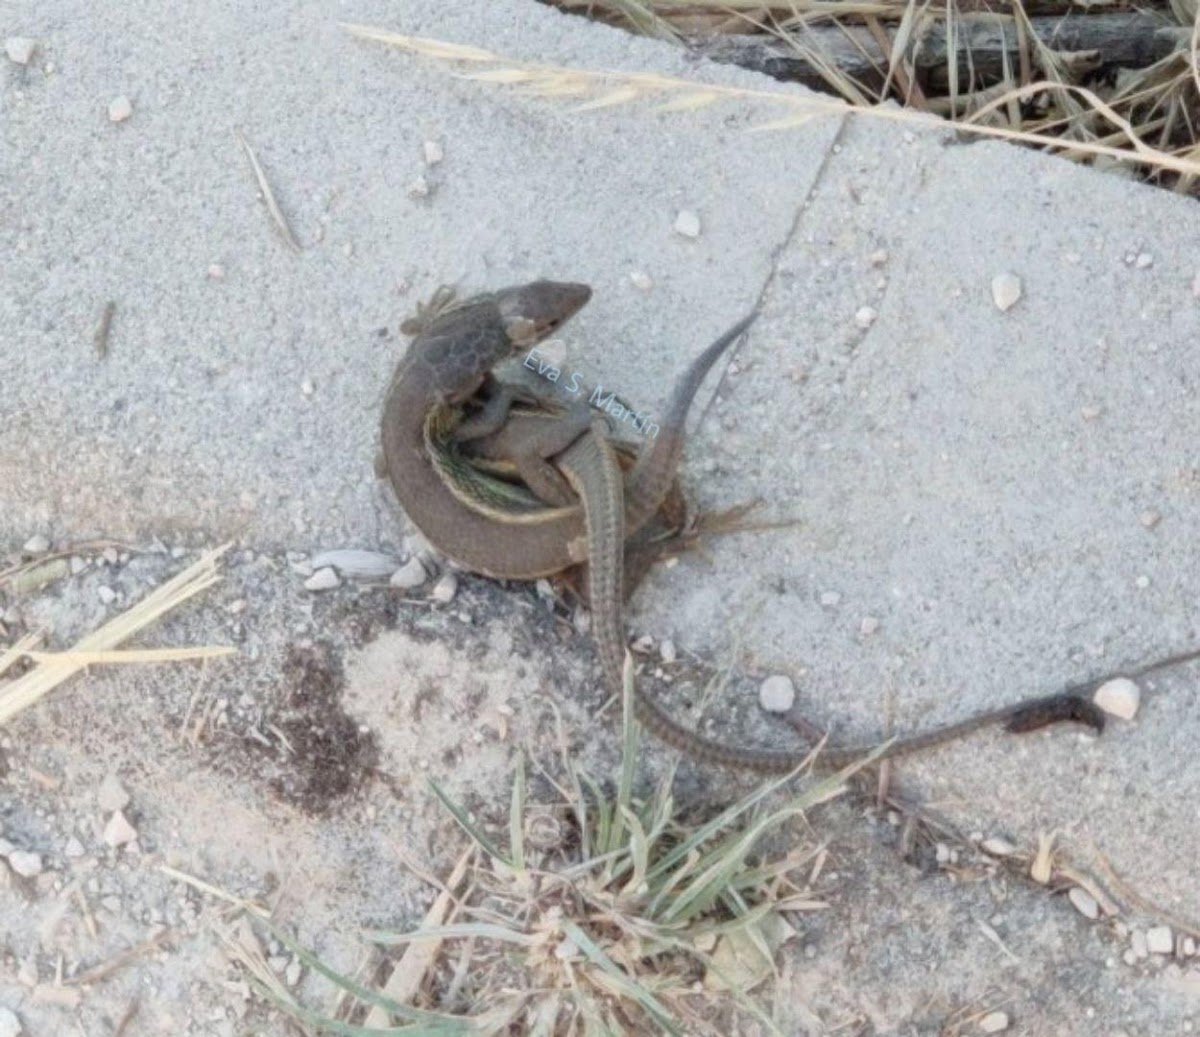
[[973, 480]]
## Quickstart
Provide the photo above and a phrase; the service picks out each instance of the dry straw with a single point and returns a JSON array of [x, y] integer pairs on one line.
[[99, 647], [603, 89]]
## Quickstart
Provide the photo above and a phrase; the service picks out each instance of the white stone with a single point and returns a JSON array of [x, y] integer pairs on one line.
[[868, 626], [433, 153], [119, 831], [419, 188], [37, 545], [10, 1025], [687, 223], [356, 564], [111, 794], [1160, 940], [1006, 290], [998, 846], [106, 594], [19, 49], [667, 651], [119, 109], [878, 257], [411, 574], [777, 693], [640, 280], [829, 599], [994, 1022], [865, 316], [216, 272], [444, 590], [25, 863], [1150, 518], [1083, 902], [74, 848], [323, 580], [307, 386], [1189, 946], [1144, 259], [291, 975], [1119, 698]]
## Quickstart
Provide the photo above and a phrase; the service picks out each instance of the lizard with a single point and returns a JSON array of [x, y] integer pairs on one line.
[[448, 361]]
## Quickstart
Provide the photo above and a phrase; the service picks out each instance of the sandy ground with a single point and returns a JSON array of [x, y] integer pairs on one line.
[[989, 504]]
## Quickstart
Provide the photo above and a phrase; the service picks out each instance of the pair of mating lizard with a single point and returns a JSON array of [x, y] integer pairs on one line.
[[457, 451]]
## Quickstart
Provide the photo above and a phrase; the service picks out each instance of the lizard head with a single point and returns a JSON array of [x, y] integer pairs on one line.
[[533, 311]]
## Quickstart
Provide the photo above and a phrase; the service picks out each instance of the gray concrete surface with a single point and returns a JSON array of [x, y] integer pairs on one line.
[[971, 479]]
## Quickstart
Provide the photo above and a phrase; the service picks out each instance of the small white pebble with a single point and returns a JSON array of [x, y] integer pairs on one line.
[[1129, 957], [1090, 413], [419, 188], [994, 1022], [119, 109], [1142, 582], [411, 574], [216, 272], [77, 565], [687, 223], [777, 693], [666, 651], [566, 948], [25, 863], [355, 563], [1074, 258], [878, 257], [106, 594], [118, 831], [348, 249], [36, 545], [10, 1025], [291, 975], [111, 794], [73, 849], [307, 387], [1137, 944], [1189, 946], [1006, 290], [1119, 698], [998, 846], [1083, 902], [640, 280], [865, 316], [323, 580], [1144, 259], [444, 590], [909, 136], [942, 853], [868, 626], [433, 153], [830, 599], [19, 49], [1150, 518], [1160, 940]]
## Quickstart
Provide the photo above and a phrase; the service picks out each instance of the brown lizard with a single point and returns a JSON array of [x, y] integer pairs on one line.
[[447, 362], [446, 365]]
